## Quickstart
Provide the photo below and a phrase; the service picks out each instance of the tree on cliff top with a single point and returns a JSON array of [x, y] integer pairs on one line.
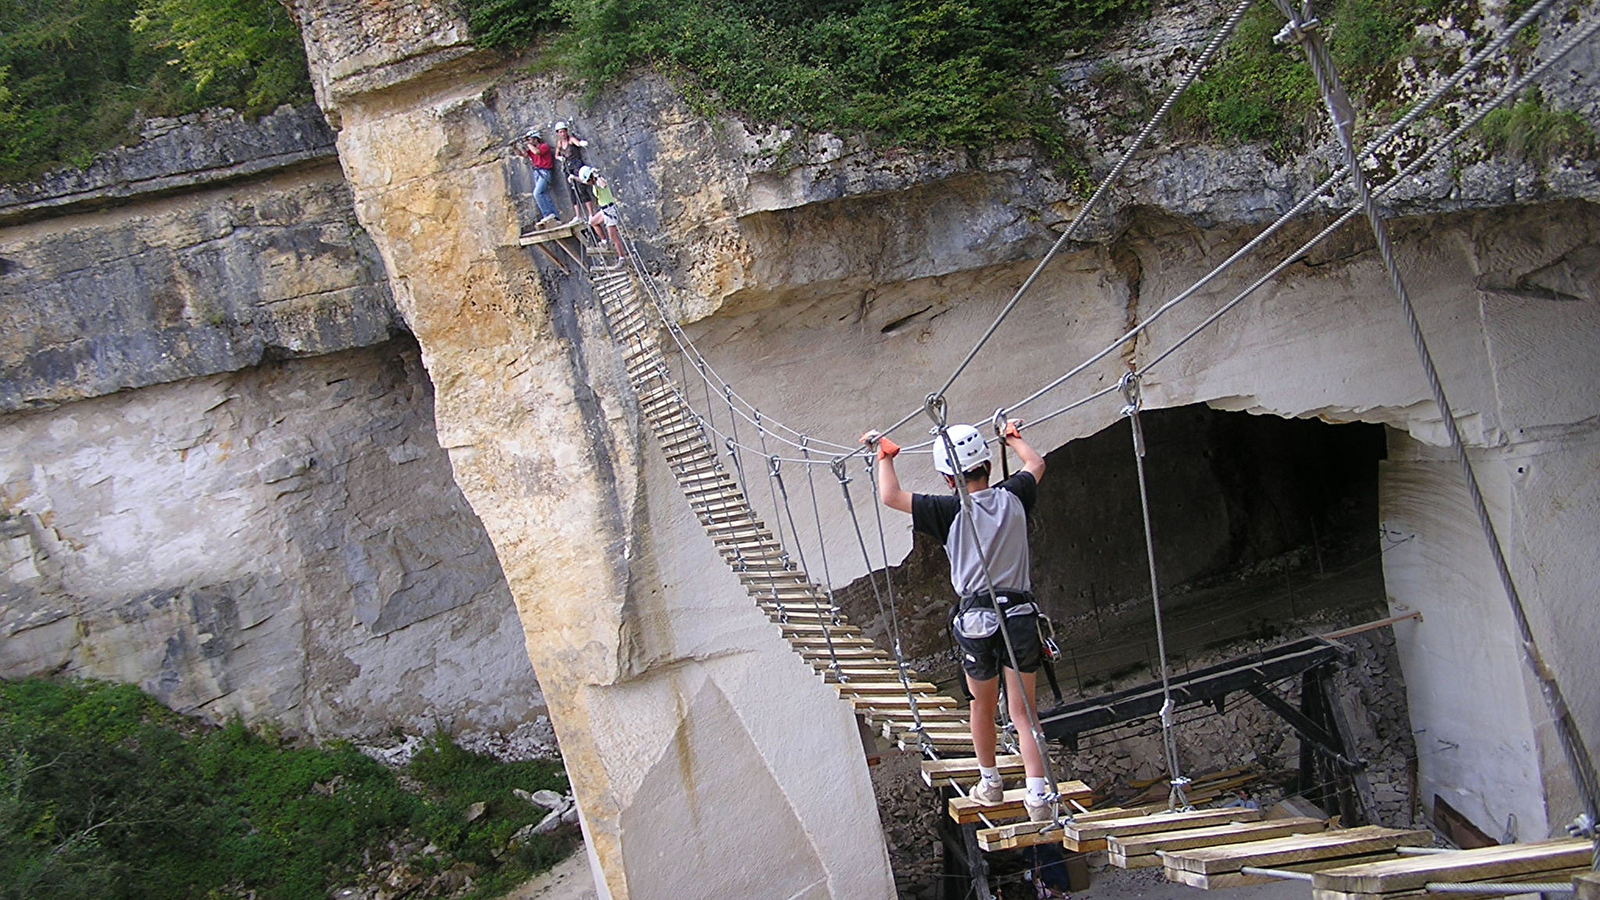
[[80, 77]]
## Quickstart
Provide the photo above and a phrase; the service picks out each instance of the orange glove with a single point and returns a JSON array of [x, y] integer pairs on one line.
[[886, 448], [1011, 429]]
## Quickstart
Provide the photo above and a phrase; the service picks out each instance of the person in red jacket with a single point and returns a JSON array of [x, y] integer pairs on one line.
[[543, 159]]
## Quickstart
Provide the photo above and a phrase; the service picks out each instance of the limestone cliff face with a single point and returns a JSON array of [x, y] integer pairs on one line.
[[219, 475]]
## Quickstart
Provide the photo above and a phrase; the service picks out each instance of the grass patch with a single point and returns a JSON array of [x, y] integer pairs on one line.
[[1262, 92], [1532, 132], [104, 793]]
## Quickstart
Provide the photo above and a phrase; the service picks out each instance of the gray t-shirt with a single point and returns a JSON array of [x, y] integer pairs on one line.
[[1000, 515]]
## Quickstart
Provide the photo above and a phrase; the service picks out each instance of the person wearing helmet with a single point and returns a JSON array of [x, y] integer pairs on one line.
[[997, 533], [544, 165], [606, 216], [569, 152]]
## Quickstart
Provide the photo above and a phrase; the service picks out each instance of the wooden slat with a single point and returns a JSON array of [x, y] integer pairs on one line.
[[1081, 833], [1482, 864], [1558, 875], [1140, 851], [1016, 835], [1285, 851], [1239, 879], [964, 771], [965, 809]]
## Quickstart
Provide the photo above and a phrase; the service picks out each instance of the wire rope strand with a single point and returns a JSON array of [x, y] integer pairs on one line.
[[838, 466], [1417, 110], [1302, 28], [1214, 46], [822, 542], [927, 745], [799, 548], [1434, 149], [1175, 797]]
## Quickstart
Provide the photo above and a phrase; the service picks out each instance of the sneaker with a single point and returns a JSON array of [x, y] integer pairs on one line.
[[988, 793], [1040, 813], [547, 221], [575, 220]]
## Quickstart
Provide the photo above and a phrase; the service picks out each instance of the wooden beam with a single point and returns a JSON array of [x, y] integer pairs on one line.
[[1484, 864], [1277, 853], [1586, 886], [1017, 835], [1560, 875], [964, 771], [965, 809], [1239, 879], [1140, 851], [1079, 834]]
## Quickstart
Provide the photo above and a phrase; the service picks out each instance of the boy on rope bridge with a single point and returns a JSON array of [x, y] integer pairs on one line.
[[999, 518]]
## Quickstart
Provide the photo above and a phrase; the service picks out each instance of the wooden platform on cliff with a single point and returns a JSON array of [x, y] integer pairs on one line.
[[543, 238]]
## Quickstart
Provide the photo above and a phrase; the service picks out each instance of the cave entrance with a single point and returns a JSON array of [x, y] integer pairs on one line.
[[1259, 522]]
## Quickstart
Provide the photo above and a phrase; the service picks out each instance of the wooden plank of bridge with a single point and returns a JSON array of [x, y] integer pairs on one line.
[[1086, 836], [1586, 886], [1140, 851], [1555, 877], [1483, 864], [1016, 835], [964, 771], [966, 810], [1205, 867]]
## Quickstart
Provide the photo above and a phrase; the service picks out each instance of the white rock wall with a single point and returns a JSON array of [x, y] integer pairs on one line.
[[282, 543]]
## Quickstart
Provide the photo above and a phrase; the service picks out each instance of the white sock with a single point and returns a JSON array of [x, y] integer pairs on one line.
[[990, 774], [1038, 787]]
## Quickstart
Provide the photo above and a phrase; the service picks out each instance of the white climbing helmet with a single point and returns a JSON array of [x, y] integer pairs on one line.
[[530, 134], [971, 451], [586, 174], [560, 126]]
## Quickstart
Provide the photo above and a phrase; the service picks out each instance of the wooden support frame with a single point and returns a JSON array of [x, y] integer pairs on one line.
[[1212, 684]]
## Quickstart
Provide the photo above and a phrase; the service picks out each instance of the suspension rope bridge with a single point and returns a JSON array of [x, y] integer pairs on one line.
[[885, 690]]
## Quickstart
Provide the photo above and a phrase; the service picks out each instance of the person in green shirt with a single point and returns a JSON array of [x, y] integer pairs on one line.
[[606, 216]]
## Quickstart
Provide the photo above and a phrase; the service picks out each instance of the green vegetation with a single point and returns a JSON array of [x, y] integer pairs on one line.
[[1528, 130], [920, 73], [1260, 91], [106, 794], [78, 76]]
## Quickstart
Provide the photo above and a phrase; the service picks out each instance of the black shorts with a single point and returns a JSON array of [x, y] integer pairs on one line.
[[983, 658]]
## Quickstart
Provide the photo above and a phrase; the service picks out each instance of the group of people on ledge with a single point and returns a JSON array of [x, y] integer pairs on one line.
[[592, 199]]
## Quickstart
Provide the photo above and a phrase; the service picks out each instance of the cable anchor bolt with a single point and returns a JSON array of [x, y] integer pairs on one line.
[[1582, 826], [1132, 396], [1296, 30]]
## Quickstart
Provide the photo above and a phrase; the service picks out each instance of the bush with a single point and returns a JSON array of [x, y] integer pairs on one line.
[[922, 73], [79, 77], [106, 794], [1260, 91]]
